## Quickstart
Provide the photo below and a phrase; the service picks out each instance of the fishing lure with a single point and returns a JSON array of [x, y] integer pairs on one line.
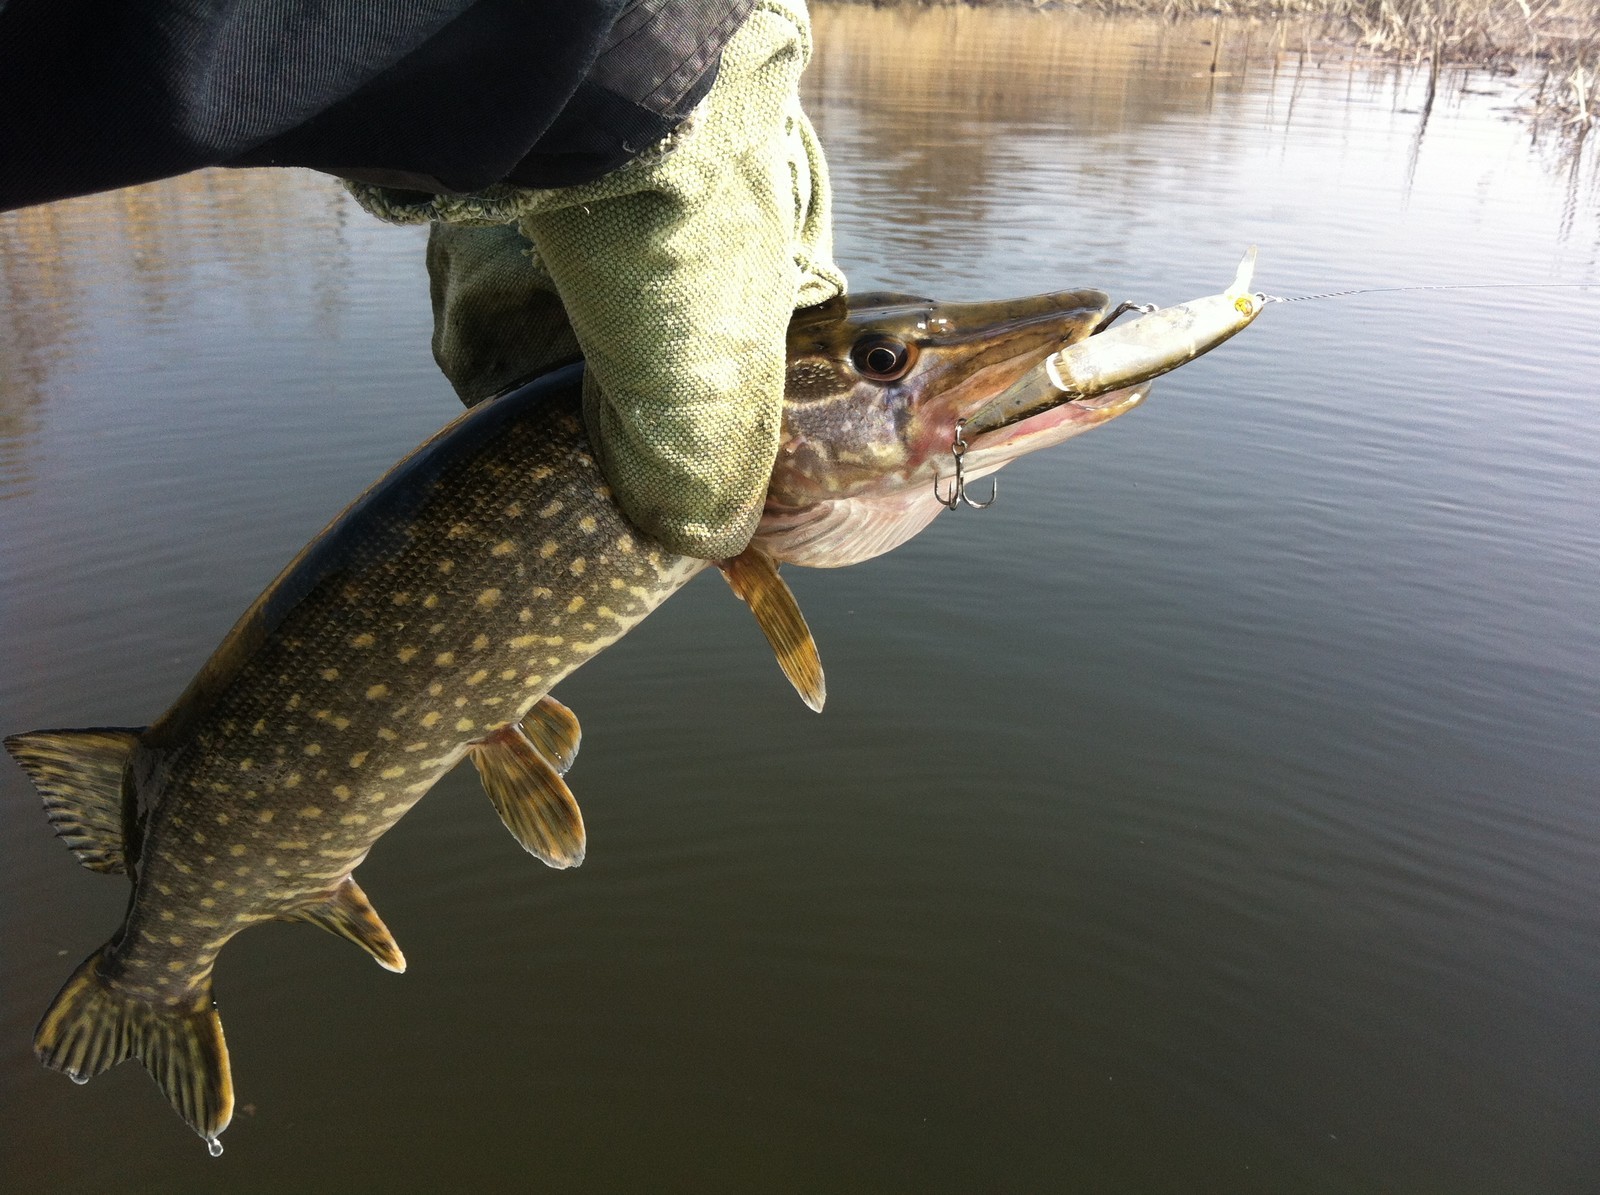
[[1161, 340], [1158, 342]]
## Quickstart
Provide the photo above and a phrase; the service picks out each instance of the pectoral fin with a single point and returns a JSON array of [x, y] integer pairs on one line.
[[348, 913], [753, 576], [554, 730], [531, 798]]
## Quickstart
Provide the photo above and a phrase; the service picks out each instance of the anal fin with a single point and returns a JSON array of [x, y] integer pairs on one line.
[[79, 775], [753, 576], [347, 912], [554, 730], [531, 798]]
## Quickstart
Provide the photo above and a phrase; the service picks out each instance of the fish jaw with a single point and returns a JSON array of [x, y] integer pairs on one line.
[[1160, 340], [860, 454], [875, 385], [992, 451], [840, 532]]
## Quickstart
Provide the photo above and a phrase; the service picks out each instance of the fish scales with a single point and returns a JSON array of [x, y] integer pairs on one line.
[[458, 592], [431, 619]]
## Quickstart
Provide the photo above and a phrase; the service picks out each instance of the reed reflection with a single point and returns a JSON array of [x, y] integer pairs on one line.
[[151, 257], [917, 103]]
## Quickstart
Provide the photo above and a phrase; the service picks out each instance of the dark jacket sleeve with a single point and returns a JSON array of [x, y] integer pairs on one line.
[[440, 95]]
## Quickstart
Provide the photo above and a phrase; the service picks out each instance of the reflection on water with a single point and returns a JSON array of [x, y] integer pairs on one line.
[[945, 104], [1217, 812], [939, 93], [143, 259]]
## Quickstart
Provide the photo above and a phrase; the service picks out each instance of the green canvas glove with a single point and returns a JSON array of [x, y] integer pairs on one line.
[[679, 273], [497, 319]]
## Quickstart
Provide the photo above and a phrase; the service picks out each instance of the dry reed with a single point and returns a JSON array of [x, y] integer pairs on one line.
[[1559, 38]]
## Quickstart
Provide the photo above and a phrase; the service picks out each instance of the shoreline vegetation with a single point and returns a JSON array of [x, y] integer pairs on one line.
[[1554, 43]]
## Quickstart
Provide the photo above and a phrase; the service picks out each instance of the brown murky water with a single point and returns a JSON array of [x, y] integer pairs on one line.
[[1218, 812]]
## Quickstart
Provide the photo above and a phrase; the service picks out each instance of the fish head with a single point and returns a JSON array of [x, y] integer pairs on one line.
[[876, 386]]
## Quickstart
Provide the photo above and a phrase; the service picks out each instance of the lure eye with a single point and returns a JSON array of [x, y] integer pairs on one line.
[[882, 358]]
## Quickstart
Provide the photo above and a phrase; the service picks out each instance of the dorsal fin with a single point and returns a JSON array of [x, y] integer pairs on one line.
[[554, 730], [531, 798], [346, 911], [753, 576], [79, 775]]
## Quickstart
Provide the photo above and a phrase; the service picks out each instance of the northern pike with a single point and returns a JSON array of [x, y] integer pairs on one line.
[[429, 623]]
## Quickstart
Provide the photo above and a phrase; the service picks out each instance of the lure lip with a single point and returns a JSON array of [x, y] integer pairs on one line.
[[1242, 277]]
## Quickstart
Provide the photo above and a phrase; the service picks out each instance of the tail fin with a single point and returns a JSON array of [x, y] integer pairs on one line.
[[92, 1026]]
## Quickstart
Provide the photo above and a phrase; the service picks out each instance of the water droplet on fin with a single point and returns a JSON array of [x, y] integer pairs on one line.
[[214, 1147], [80, 1080]]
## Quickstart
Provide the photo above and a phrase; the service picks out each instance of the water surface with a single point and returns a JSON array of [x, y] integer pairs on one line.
[[1219, 811]]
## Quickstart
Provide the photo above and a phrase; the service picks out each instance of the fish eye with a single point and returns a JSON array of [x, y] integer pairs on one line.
[[882, 358]]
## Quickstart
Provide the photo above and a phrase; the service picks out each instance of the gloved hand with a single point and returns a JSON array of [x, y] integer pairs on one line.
[[679, 273]]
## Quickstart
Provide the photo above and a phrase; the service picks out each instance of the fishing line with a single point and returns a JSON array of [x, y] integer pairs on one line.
[[1389, 290]]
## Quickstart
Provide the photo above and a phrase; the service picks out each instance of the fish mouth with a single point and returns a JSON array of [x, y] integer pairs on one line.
[[880, 437], [992, 449], [1101, 379]]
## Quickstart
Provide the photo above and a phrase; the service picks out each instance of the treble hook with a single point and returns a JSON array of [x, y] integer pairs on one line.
[[958, 488]]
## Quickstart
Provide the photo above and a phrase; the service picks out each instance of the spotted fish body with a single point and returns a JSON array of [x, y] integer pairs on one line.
[[438, 610], [441, 608], [429, 623]]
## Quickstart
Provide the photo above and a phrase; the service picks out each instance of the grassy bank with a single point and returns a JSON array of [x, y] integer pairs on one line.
[[1558, 39]]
